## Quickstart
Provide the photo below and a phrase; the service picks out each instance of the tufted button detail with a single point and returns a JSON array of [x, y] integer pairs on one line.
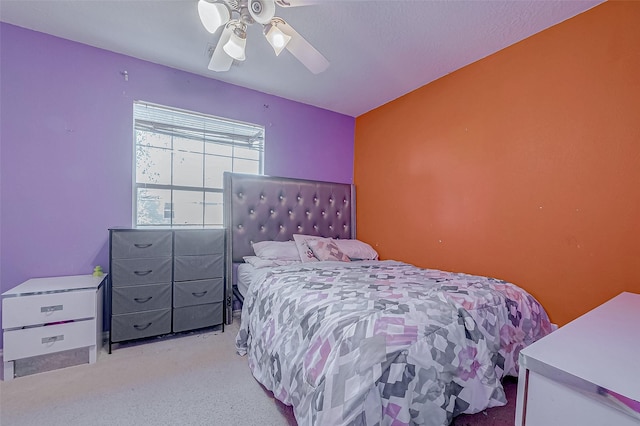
[[240, 194], [331, 227], [262, 227], [344, 201], [240, 226], [299, 198], [290, 212], [299, 227], [262, 196], [344, 226], [251, 211], [281, 226], [281, 198], [271, 212], [322, 213], [315, 227]]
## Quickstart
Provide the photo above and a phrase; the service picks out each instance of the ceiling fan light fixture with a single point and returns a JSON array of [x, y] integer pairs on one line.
[[277, 39], [236, 45], [213, 15]]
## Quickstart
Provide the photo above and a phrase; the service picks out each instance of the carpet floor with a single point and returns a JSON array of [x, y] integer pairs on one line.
[[193, 379]]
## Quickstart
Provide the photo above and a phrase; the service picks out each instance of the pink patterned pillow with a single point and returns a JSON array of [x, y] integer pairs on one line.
[[327, 249], [302, 244]]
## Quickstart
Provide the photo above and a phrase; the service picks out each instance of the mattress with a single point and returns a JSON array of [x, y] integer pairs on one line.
[[245, 272]]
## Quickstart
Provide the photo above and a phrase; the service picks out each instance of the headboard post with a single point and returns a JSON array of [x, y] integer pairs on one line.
[[226, 221], [268, 208]]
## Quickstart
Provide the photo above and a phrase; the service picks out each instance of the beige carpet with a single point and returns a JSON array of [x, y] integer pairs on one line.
[[194, 379]]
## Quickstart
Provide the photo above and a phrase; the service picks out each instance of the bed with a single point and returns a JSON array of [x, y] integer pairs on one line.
[[351, 340]]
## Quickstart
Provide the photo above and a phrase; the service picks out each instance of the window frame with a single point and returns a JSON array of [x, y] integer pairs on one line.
[[214, 130]]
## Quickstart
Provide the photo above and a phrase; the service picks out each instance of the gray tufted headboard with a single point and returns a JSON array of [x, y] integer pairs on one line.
[[267, 208]]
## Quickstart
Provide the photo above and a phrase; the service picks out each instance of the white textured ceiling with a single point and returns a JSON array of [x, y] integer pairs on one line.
[[378, 50]]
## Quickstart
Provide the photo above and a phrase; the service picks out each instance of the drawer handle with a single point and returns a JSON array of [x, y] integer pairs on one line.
[[142, 273], [143, 245], [141, 327], [199, 294], [52, 339], [49, 309], [140, 300]]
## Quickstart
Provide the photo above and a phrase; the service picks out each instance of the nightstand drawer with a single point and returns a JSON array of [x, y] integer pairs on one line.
[[186, 268], [47, 308], [141, 298], [45, 340], [139, 325], [131, 244], [198, 292], [127, 272], [198, 242]]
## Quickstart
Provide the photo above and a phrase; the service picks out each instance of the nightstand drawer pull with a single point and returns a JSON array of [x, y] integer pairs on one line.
[[143, 273], [142, 327], [49, 309], [199, 294], [138, 245], [52, 339], [141, 300]]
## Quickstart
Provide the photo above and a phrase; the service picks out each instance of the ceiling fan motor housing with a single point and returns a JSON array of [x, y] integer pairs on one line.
[[262, 10]]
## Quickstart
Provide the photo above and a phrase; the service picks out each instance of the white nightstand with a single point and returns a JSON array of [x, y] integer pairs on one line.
[[586, 373], [47, 315]]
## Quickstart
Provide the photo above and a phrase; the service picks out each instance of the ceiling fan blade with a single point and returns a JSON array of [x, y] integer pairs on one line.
[[303, 50], [295, 3], [220, 61]]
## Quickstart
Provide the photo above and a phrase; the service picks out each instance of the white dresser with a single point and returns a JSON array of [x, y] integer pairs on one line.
[[586, 373], [48, 315]]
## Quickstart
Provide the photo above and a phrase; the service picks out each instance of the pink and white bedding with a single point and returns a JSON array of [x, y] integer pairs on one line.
[[384, 342]]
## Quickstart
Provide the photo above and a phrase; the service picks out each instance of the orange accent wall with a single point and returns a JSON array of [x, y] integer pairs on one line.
[[523, 166]]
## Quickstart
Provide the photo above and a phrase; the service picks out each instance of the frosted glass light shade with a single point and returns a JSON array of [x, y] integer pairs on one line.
[[235, 47], [277, 39], [212, 15]]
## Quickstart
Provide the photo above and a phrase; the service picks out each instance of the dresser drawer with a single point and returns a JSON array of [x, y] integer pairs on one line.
[[45, 340], [129, 244], [198, 292], [139, 325], [47, 308], [186, 268], [198, 241], [199, 316], [127, 272], [141, 298]]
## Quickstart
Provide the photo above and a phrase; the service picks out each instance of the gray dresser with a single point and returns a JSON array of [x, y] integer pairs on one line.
[[165, 281]]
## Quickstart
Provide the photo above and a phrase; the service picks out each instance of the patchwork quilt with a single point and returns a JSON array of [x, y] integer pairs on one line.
[[384, 342]]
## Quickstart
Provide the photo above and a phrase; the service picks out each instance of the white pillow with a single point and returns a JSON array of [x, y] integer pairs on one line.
[[282, 250], [304, 251], [258, 262], [357, 250]]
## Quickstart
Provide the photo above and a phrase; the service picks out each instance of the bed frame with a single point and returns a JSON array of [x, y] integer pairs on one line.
[[267, 208]]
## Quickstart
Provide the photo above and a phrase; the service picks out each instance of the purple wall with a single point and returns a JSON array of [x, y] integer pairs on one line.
[[66, 145]]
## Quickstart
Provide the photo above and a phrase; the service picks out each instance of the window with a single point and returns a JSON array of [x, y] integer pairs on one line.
[[180, 158]]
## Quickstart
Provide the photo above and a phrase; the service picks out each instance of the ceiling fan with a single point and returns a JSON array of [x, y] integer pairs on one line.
[[236, 15]]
